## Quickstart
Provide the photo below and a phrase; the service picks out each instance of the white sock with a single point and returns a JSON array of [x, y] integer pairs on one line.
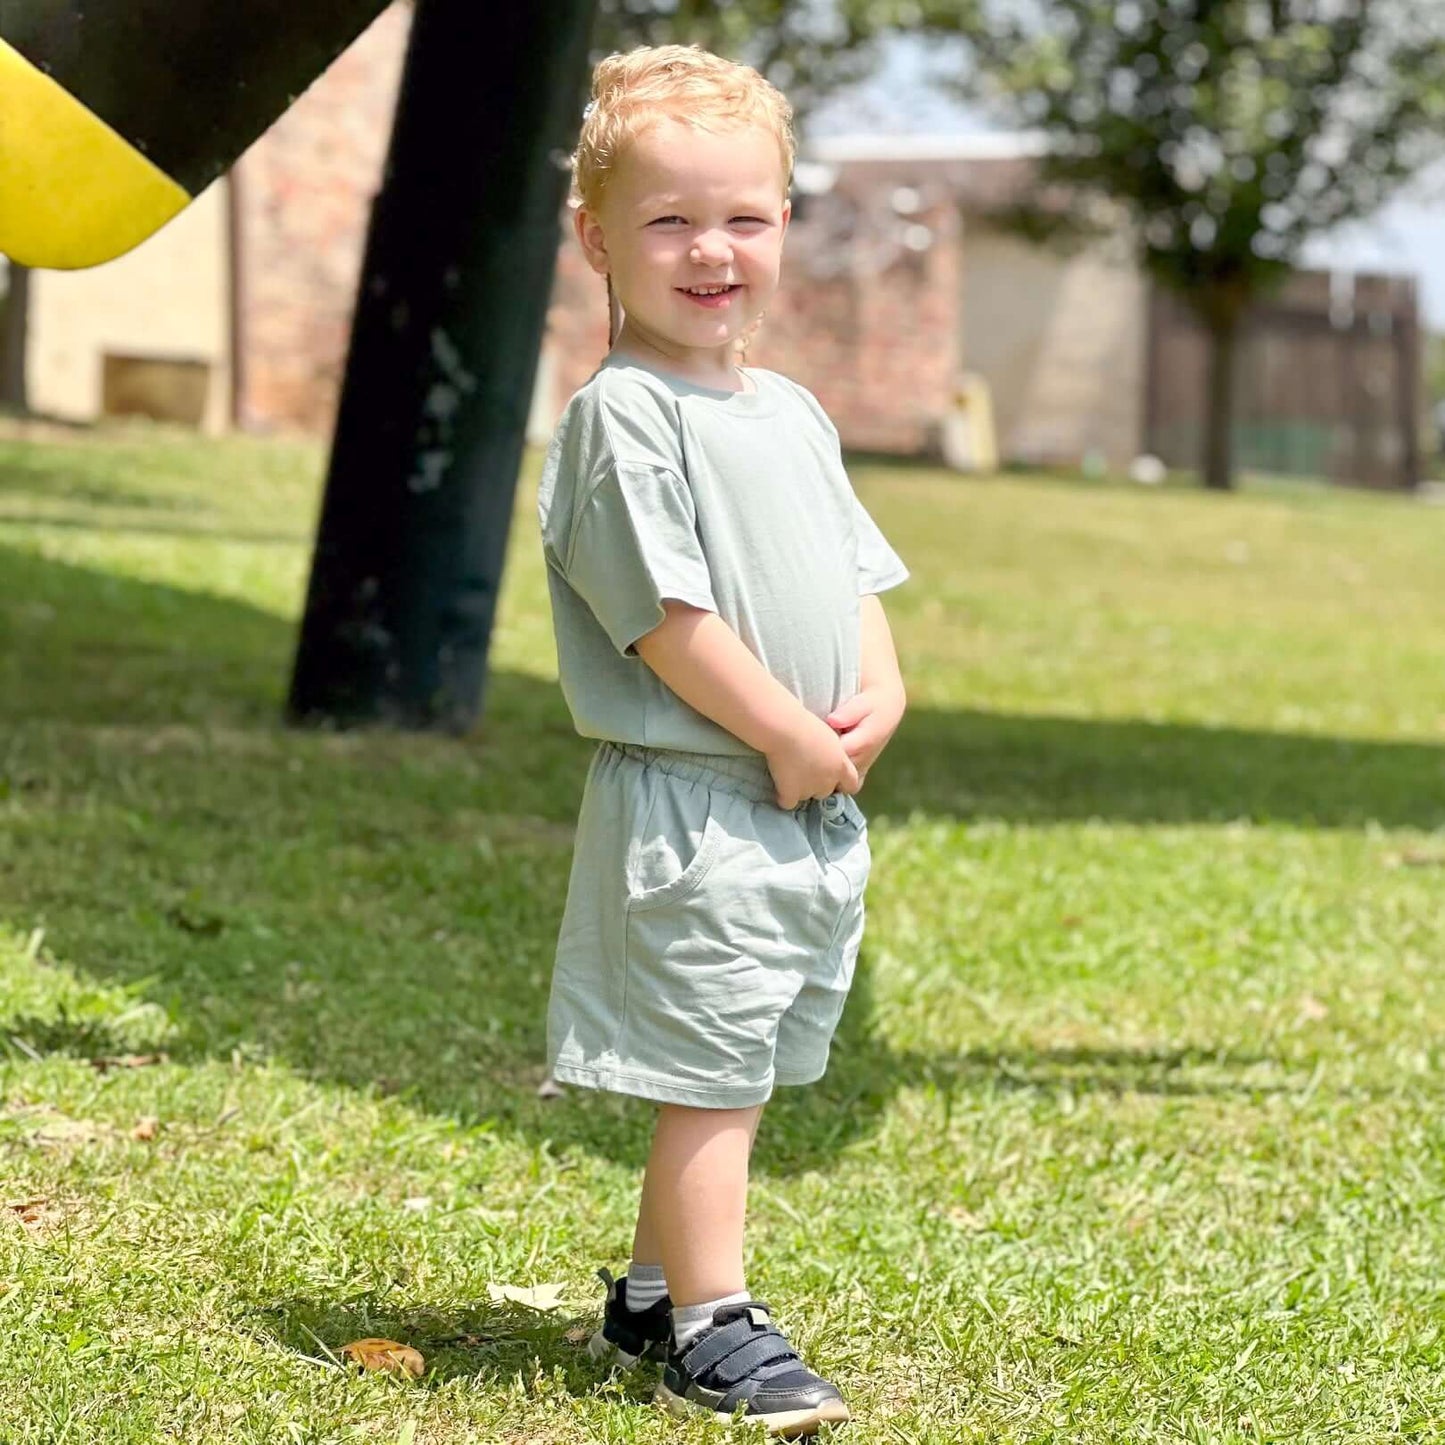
[[692, 1320], [645, 1285]]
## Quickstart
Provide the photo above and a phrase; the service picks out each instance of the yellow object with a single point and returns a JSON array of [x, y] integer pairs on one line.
[[72, 192], [968, 440]]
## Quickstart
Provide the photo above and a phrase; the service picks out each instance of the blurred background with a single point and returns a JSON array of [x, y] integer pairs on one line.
[[1073, 235]]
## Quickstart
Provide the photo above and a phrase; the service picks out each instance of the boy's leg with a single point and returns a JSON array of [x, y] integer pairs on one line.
[[700, 1179], [694, 1200], [727, 1355]]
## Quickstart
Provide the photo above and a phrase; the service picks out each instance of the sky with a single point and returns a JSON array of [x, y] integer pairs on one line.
[[1407, 237]]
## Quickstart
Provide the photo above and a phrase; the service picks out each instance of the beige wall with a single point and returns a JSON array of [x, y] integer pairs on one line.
[[166, 299], [1060, 340]]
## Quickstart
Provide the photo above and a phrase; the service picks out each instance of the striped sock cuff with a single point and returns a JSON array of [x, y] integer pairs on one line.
[[645, 1285]]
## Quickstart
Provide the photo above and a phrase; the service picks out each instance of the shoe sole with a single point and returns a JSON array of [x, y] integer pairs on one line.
[[790, 1424], [601, 1349]]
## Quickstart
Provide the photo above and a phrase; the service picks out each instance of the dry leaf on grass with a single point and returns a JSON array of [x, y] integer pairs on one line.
[[374, 1354], [146, 1129], [578, 1335], [539, 1297], [33, 1214]]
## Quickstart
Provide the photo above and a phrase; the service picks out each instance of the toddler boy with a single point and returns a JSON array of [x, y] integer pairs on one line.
[[714, 591]]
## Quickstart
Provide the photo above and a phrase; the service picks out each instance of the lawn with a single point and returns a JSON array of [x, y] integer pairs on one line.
[[1134, 1130]]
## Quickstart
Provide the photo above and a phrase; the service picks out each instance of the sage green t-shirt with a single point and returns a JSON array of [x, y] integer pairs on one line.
[[735, 502]]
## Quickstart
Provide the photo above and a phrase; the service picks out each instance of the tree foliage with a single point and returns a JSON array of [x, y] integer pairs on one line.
[[1228, 131], [805, 47]]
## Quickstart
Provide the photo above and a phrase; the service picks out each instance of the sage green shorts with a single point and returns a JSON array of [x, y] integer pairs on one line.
[[709, 937]]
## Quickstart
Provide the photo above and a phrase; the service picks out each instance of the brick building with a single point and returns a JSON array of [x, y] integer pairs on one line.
[[895, 282], [252, 288]]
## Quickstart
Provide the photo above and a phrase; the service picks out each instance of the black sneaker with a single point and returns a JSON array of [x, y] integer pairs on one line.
[[743, 1363], [628, 1336]]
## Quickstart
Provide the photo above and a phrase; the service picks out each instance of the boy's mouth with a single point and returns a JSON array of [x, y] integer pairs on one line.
[[710, 296]]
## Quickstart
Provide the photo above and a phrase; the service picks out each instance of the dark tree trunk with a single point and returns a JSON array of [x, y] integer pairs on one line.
[[448, 328], [1219, 401], [14, 326]]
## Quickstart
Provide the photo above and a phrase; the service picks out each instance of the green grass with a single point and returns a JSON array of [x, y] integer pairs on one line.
[[1133, 1132]]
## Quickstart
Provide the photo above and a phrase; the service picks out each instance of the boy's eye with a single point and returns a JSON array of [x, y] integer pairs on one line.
[[668, 221], [748, 221]]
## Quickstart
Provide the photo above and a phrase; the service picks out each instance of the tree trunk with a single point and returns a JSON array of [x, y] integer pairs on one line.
[[14, 325], [1219, 402], [448, 326]]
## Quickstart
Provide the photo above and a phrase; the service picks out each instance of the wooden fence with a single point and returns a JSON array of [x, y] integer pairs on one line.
[[1328, 381]]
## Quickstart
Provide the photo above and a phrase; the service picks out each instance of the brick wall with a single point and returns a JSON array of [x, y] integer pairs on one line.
[[867, 323], [876, 340], [576, 339], [305, 191]]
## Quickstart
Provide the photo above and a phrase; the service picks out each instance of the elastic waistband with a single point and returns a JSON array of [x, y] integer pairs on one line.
[[746, 776]]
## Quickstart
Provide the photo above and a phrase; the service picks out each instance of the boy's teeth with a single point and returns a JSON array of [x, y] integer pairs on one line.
[[708, 290]]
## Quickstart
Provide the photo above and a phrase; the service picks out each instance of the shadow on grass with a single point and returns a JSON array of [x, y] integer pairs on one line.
[[1023, 769], [93, 1039], [379, 911], [97, 650], [804, 1129], [484, 1341]]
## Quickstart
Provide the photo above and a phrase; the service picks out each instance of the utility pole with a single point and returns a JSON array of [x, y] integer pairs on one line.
[[447, 332]]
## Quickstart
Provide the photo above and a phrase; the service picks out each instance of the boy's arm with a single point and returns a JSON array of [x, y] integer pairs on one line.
[[868, 720], [711, 669], [879, 670]]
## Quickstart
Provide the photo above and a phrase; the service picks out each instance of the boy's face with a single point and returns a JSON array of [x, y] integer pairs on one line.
[[687, 212]]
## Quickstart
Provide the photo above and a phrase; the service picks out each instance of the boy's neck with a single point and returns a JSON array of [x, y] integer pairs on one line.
[[714, 370]]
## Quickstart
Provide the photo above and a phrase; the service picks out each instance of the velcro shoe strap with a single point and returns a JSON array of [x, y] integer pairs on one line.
[[759, 1351], [715, 1345]]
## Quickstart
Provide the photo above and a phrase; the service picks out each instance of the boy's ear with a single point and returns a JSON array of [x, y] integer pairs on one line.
[[787, 213], [593, 242]]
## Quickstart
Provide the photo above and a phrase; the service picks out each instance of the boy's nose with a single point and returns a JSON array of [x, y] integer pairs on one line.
[[711, 248]]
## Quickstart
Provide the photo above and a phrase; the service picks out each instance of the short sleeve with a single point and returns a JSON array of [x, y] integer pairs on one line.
[[879, 566], [634, 542]]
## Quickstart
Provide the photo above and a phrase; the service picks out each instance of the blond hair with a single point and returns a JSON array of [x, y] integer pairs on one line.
[[674, 82]]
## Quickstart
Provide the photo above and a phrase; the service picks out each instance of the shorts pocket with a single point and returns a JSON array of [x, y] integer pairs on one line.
[[674, 833]]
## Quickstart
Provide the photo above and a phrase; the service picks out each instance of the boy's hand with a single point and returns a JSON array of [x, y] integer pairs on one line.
[[810, 762], [866, 722]]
